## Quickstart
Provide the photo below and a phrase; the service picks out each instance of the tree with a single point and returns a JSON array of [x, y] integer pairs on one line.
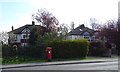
[[33, 36], [118, 35], [46, 19], [63, 31], [109, 33], [49, 27], [94, 24], [4, 37]]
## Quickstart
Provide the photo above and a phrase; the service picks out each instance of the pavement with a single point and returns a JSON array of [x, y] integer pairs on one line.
[[96, 60]]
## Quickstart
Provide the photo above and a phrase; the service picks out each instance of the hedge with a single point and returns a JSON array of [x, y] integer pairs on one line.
[[31, 51], [8, 51], [69, 48], [97, 48], [61, 49], [23, 52]]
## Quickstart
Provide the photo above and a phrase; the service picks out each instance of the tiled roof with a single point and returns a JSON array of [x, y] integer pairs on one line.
[[80, 30], [20, 29]]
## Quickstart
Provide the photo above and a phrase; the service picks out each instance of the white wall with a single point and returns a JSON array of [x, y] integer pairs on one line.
[[22, 36], [18, 37], [73, 37]]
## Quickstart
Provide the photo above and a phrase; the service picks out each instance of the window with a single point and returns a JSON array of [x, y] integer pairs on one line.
[[25, 36], [86, 37], [15, 37]]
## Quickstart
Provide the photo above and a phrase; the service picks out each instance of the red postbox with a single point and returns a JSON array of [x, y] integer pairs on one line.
[[49, 53]]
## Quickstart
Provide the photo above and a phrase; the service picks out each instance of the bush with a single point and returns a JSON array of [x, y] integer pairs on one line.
[[30, 51], [97, 48], [69, 48], [22, 52], [8, 51]]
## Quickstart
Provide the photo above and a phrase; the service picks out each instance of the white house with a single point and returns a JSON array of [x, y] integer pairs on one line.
[[82, 32], [20, 36]]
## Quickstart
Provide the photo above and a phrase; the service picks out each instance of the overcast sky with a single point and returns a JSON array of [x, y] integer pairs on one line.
[[18, 12]]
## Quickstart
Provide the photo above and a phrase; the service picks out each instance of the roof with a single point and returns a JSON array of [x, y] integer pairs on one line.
[[80, 30], [20, 29]]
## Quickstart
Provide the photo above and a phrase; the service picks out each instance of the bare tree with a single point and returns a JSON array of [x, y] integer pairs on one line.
[[63, 29], [12, 38], [94, 24], [4, 37]]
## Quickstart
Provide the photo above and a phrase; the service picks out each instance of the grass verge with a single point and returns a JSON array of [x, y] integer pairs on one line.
[[36, 60], [69, 59], [0, 61]]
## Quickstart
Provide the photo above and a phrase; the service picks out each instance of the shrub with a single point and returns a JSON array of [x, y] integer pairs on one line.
[[97, 48], [8, 51], [30, 51], [69, 48], [22, 52]]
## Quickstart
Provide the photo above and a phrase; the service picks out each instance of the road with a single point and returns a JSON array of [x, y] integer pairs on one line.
[[109, 65]]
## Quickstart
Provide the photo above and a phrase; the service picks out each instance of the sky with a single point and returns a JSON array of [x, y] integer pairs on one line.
[[18, 13]]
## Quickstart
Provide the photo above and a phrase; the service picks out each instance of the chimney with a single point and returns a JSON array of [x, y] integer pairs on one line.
[[72, 25], [33, 23], [12, 28]]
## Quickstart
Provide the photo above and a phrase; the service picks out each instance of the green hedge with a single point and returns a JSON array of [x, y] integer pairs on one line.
[[8, 51], [69, 48], [23, 52], [61, 49], [31, 51], [97, 48]]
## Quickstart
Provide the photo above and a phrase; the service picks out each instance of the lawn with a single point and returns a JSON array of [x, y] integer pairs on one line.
[[0, 61], [21, 60], [69, 59], [36, 60]]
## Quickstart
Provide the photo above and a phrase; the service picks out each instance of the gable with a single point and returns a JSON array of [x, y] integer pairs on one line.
[[26, 30], [86, 33]]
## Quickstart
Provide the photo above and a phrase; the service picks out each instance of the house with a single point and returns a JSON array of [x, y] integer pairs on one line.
[[82, 32], [20, 36]]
